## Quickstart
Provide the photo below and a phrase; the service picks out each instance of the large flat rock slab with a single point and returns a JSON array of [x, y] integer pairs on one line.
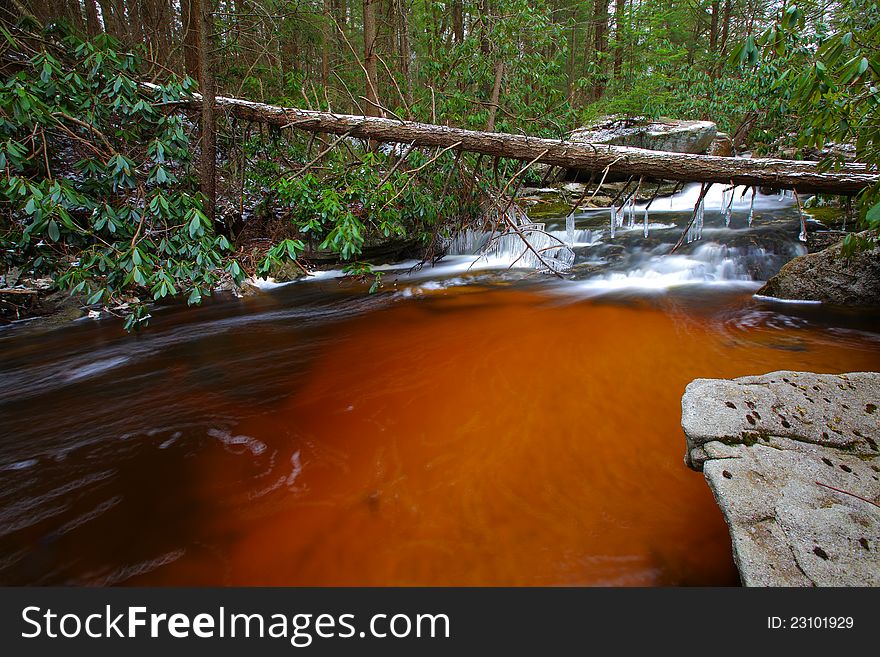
[[792, 459], [662, 135]]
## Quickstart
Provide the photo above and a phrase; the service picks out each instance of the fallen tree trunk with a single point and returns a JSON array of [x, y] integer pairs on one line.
[[618, 160]]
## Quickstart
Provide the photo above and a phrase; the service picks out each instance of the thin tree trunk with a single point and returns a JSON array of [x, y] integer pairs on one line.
[[713, 27], [325, 43], [457, 21], [619, 11], [93, 23], [201, 9], [189, 17], [725, 25], [406, 54], [112, 24], [496, 96], [135, 22], [618, 160], [370, 59], [600, 46], [485, 27]]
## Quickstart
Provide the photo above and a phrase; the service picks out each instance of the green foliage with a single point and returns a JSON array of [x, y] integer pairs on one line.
[[95, 190], [351, 205], [830, 76]]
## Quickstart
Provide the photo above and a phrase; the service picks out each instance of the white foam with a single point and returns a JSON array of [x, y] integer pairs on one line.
[[96, 367], [761, 297]]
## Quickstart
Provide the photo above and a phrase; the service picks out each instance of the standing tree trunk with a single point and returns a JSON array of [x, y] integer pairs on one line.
[[112, 24], [725, 25], [496, 96], [93, 23], [370, 59], [600, 46], [619, 11], [201, 10], [457, 21], [326, 33], [189, 17], [713, 27], [72, 10], [406, 54], [135, 23], [485, 13]]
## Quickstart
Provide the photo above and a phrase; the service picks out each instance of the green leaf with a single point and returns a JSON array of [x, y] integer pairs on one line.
[[195, 226], [873, 216], [54, 233]]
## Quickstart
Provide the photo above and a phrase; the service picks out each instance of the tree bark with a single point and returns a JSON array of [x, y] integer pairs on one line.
[[189, 16], [713, 27], [496, 96], [135, 22], [619, 11], [406, 52], [93, 23], [112, 24], [326, 35], [201, 10], [619, 160], [457, 21], [600, 46], [485, 14], [370, 59], [725, 25]]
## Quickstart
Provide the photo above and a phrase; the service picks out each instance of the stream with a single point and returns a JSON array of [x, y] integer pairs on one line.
[[469, 424]]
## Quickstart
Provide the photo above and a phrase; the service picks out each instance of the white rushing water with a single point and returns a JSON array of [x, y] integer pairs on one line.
[[618, 252]]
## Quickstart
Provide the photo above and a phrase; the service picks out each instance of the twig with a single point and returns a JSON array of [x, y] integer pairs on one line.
[[321, 154], [46, 155], [704, 188], [607, 169], [413, 173], [845, 492], [400, 161], [358, 59], [383, 108], [396, 86]]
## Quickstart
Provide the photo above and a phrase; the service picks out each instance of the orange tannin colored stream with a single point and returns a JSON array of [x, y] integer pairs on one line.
[[489, 437]]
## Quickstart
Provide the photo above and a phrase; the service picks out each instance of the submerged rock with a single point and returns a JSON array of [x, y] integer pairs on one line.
[[829, 277], [661, 135], [792, 460]]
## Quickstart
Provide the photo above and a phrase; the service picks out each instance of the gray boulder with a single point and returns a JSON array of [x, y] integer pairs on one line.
[[792, 460], [829, 277], [662, 135]]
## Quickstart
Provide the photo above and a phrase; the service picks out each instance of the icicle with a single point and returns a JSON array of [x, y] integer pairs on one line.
[[613, 220], [728, 208], [699, 221], [803, 235], [569, 230], [645, 221], [752, 207]]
